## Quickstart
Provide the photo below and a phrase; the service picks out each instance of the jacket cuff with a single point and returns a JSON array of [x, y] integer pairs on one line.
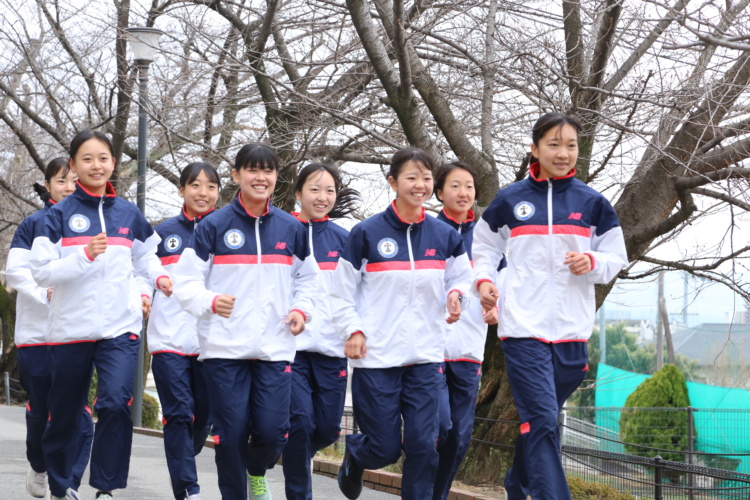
[[156, 281], [213, 304], [304, 316], [86, 253], [593, 260], [485, 280]]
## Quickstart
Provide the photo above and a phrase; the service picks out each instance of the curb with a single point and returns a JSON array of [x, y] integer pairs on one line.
[[387, 482]]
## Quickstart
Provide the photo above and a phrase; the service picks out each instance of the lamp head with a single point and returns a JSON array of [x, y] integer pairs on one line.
[[143, 42]]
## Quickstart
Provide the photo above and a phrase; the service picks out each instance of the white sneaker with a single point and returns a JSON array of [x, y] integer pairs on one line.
[[71, 494], [36, 483], [105, 496], [195, 496]]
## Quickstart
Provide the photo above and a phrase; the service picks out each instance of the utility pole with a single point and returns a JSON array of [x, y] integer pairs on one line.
[[602, 337], [660, 327]]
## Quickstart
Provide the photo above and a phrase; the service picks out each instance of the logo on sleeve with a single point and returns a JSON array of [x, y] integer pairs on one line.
[[172, 243], [387, 247], [524, 210], [79, 223], [234, 239]]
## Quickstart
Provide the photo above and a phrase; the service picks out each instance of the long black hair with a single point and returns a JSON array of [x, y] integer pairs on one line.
[[55, 166], [86, 135], [347, 198]]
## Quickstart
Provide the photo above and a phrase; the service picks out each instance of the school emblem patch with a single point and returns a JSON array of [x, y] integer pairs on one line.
[[387, 247], [524, 210], [79, 223], [234, 239], [172, 243]]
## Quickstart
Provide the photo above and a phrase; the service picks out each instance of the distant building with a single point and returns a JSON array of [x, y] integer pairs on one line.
[[721, 351]]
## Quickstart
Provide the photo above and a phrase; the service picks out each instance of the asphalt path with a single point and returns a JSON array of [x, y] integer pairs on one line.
[[148, 477]]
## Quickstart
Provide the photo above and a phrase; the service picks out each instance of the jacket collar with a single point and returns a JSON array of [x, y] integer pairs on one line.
[[558, 183], [83, 194], [241, 209], [318, 225], [394, 219], [468, 223], [184, 217]]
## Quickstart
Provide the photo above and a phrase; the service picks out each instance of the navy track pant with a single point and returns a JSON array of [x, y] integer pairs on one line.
[[115, 360], [318, 397], [183, 394], [542, 376], [36, 379], [249, 401], [458, 399], [381, 397]]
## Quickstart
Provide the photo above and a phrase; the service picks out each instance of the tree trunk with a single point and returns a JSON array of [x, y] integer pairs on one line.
[[8, 357]]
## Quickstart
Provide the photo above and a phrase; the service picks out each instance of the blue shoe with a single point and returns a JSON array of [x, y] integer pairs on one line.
[[350, 477]]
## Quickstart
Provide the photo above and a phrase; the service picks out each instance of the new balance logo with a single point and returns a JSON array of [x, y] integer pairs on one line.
[[123, 230], [333, 254], [430, 252], [574, 216], [281, 245]]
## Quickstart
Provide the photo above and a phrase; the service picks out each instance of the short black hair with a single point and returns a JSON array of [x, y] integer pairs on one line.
[[551, 120], [192, 171], [447, 168], [346, 198], [405, 155], [86, 135], [256, 155]]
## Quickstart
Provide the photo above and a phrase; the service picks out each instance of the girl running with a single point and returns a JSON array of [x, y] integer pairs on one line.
[[319, 372], [249, 277], [90, 250], [389, 303], [560, 238], [456, 186], [32, 310], [173, 340]]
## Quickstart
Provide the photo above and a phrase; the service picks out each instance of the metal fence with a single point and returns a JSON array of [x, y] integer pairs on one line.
[[593, 450]]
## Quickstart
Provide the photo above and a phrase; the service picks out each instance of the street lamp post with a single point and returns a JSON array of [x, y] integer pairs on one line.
[[143, 43]]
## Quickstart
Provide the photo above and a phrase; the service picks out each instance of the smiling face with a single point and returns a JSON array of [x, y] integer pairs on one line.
[[458, 193], [93, 164], [318, 196], [256, 183], [413, 186], [200, 195], [557, 151], [60, 186]]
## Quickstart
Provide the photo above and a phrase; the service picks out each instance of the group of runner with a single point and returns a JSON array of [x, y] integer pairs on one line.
[[256, 316]]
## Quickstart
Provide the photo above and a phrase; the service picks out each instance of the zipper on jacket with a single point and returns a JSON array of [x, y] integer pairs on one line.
[[313, 336], [411, 276], [103, 268], [101, 215], [551, 243], [549, 206]]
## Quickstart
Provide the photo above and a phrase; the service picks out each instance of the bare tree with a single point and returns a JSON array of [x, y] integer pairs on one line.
[[660, 86]]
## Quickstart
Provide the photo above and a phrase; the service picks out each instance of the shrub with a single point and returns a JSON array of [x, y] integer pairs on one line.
[[657, 429], [583, 490]]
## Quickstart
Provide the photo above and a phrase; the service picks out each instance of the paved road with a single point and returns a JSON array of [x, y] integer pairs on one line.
[[149, 478]]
